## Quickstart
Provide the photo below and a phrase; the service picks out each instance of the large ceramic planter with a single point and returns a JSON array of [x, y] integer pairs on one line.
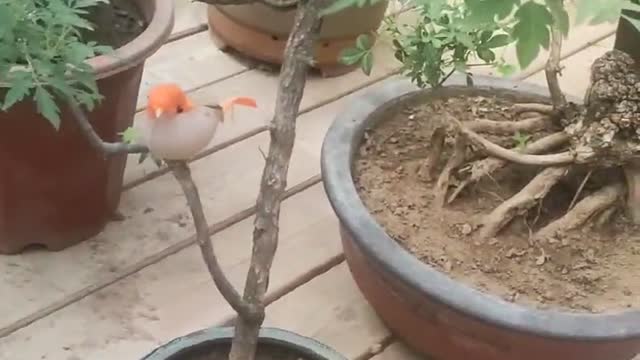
[[198, 343], [55, 189], [433, 313], [260, 31]]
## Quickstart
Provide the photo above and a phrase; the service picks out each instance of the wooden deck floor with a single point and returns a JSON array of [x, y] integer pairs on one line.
[[137, 284]]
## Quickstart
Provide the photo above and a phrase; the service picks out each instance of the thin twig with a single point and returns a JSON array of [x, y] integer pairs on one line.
[[552, 68], [579, 191], [181, 172], [94, 139]]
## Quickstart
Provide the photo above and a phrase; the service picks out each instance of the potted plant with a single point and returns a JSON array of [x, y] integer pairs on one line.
[[259, 29], [488, 219], [55, 190]]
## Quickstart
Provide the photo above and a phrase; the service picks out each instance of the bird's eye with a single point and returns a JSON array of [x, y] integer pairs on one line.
[[180, 109]]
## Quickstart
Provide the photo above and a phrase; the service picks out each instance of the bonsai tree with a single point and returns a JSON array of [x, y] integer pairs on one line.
[[601, 133]]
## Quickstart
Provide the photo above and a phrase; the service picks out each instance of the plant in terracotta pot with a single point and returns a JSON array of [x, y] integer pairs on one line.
[[259, 29], [489, 219], [55, 189]]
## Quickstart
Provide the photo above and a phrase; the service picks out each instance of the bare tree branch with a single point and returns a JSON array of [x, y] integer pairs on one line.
[[552, 69], [106, 148], [181, 172], [274, 177]]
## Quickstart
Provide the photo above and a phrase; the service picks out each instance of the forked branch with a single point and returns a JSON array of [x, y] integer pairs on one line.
[[181, 172], [106, 148]]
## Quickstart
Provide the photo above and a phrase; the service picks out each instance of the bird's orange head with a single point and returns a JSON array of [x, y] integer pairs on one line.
[[167, 99]]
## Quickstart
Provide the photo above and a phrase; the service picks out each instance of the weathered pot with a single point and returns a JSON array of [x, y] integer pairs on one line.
[[628, 37], [55, 189], [432, 312], [199, 342], [260, 31]]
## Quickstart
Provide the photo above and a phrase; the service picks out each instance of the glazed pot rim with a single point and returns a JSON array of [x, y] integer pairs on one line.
[[338, 149], [140, 48], [269, 335]]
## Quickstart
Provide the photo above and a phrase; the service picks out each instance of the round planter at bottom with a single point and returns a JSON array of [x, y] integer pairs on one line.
[[433, 313], [56, 190], [200, 342], [260, 32]]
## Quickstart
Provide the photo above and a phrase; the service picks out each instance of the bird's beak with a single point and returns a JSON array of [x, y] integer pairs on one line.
[[158, 113]]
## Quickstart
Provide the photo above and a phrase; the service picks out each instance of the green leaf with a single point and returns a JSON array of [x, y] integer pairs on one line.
[[47, 107], [351, 56], [487, 11], [337, 6], [486, 55], [498, 41], [531, 32], [560, 15], [363, 42], [506, 69], [21, 85], [130, 135], [367, 63]]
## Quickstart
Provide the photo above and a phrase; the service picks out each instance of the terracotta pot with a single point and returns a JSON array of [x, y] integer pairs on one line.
[[55, 189], [197, 343], [261, 32], [432, 312]]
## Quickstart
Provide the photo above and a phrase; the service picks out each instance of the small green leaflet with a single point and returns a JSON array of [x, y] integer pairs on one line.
[[560, 15], [20, 87], [47, 107], [531, 32], [129, 135]]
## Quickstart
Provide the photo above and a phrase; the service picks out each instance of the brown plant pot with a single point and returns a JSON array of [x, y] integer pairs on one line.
[[55, 189], [260, 32], [433, 313]]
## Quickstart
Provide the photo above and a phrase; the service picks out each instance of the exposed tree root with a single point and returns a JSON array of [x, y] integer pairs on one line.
[[584, 210], [508, 127], [632, 176], [484, 167], [605, 216], [457, 159], [535, 191], [498, 151], [532, 107], [430, 166]]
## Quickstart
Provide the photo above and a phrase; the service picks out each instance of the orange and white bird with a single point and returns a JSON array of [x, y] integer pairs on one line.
[[175, 128]]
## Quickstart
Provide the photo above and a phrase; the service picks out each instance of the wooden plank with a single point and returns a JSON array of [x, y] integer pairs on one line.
[[188, 15], [131, 317], [576, 73], [155, 219], [398, 351], [156, 214], [331, 309]]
